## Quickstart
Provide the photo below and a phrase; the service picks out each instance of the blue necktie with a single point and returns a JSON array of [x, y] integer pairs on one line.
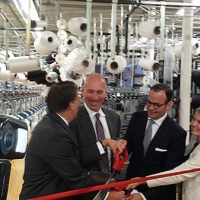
[[148, 135], [104, 164]]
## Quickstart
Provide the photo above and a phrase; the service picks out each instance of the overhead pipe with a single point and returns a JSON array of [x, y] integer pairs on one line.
[[101, 43], [173, 4], [126, 21], [88, 16], [95, 41], [115, 64], [113, 32], [110, 1], [162, 31]]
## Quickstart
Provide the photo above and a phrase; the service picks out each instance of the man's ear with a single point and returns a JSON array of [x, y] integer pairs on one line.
[[169, 104], [72, 105]]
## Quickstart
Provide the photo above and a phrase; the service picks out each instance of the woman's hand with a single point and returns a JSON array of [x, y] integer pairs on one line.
[[134, 185]]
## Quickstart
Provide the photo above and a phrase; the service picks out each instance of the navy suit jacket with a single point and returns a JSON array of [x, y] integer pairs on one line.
[[165, 152], [52, 161], [86, 138]]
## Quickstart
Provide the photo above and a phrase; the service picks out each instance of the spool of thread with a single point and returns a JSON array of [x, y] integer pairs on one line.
[[62, 34], [51, 77], [50, 58], [38, 76], [22, 64], [7, 76], [149, 29], [75, 77], [71, 43], [77, 52], [78, 26], [83, 66], [62, 48], [46, 43], [116, 65], [178, 49], [60, 58], [151, 65], [20, 77], [68, 63], [35, 24], [61, 24], [195, 45]]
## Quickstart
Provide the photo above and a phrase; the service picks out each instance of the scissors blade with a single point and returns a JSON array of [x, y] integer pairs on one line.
[[110, 180]]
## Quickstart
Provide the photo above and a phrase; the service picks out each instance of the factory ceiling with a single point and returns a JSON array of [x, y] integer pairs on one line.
[[15, 35]]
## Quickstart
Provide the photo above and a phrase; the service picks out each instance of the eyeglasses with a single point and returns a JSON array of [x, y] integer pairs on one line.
[[155, 105]]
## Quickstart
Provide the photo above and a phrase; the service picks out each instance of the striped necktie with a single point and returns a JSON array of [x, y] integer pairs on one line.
[[104, 164]]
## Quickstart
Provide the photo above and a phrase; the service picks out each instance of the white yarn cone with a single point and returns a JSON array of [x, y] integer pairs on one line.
[[78, 26], [46, 43], [62, 34], [61, 24], [116, 65], [149, 29], [151, 65], [51, 77]]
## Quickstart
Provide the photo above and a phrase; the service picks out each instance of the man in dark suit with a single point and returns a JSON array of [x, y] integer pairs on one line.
[[52, 160], [166, 148], [94, 92]]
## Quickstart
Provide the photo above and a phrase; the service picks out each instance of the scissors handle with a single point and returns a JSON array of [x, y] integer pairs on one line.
[[120, 159]]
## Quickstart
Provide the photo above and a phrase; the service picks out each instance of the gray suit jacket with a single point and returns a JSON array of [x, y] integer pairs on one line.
[[85, 134]]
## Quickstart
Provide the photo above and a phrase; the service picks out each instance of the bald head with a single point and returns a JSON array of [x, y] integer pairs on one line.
[[95, 78], [94, 91]]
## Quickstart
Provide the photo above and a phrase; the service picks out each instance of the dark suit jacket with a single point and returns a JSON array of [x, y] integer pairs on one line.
[[165, 152], [85, 134], [52, 161]]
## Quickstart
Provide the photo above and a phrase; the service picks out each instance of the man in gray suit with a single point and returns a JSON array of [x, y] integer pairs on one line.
[[94, 93]]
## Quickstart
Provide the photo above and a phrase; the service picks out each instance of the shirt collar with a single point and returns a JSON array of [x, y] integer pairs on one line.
[[92, 113], [160, 120], [63, 119]]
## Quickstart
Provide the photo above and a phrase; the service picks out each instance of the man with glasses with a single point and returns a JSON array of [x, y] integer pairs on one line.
[[156, 143]]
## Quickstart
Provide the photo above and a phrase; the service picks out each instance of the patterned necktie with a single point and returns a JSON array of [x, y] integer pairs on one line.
[[148, 135], [104, 164]]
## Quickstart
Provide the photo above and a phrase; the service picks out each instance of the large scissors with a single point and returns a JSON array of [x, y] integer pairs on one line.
[[119, 163]]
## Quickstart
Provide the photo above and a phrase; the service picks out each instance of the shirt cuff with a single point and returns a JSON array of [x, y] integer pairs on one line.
[[100, 147], [135, 191]]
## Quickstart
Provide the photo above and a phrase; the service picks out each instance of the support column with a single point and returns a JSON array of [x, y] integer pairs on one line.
[[186, 65]]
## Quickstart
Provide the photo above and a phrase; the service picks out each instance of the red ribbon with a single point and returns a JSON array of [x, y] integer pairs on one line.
[[117, 185]]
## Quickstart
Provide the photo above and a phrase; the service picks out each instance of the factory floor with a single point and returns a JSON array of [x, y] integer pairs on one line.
[[16, 179]]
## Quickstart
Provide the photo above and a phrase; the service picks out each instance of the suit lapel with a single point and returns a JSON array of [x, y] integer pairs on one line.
[[86, 124], [65, 126], [111, 125], [160, 135]]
